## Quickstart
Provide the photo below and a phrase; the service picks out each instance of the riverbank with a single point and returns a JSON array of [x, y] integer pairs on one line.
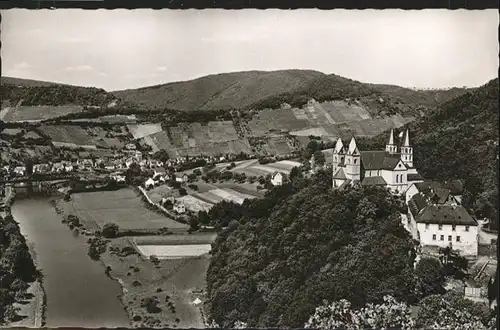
[[155, 293], [31, 311]]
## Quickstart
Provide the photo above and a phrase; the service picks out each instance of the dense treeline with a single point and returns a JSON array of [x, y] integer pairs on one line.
[[57, 95], [304, 243], [17, 269]]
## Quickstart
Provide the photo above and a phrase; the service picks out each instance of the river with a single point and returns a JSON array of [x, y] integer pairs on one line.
[[79, 294]]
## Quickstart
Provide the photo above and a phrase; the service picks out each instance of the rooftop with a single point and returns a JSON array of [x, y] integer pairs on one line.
[[447, 215], [379, 160]]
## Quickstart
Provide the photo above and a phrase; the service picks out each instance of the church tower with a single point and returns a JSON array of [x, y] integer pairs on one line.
[[353, 162], [407, 150], [338, 156], [391, 147]]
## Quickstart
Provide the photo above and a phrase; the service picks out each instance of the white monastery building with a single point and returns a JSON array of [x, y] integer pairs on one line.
[[390, 168]]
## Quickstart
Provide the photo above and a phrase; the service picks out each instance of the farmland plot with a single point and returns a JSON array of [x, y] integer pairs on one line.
[[38, 113], [174, 251], [141, 130], [276, 120], [194, 204], [176, 239], [122, 207], [231, 195], [67, 134]]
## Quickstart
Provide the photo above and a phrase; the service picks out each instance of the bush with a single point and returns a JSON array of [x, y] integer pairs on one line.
[[182, 191], [110, 230]]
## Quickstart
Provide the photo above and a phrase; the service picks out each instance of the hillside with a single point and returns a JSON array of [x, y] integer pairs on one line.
[[262, 89], [295, 248], [42, 93], [228, 90]]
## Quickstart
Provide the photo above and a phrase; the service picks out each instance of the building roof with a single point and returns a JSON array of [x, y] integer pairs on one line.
[[379, 160], [414, 177], [416, 204], [340, 174], [433, 189], [160, 170], [456, 187], [446, 215], [373, 181]]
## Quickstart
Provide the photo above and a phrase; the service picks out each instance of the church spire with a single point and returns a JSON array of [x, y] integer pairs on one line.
[[407, 139], [338, 146], [390, 147], [391, 138]]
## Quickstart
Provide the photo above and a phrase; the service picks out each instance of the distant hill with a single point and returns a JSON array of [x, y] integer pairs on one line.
[[39, 93], [270, 89], [228, 90]]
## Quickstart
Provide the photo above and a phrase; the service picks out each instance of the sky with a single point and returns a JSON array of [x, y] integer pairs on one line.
[[121, 49]]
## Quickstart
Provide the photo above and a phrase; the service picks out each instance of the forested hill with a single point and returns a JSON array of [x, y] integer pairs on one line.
[[460, 140], [270, 89], [34, 93], [299, 246]]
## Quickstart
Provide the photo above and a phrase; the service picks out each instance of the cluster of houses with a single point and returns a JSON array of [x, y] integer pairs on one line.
[[160, 176]]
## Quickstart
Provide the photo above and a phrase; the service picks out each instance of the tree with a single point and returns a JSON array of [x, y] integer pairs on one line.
[[161, 155], [132, 172], [319, 158], [452, 311], [110, 230], [182, 191], [194, 223], [430, 277], [340, 315]]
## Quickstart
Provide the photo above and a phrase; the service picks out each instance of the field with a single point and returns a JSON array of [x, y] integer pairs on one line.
[[174, 251], [142, 130], [122, 207], [213, 138], [67, 134], [257, 169], [157, 193], [194, 204], [38, 113], [176, 239]]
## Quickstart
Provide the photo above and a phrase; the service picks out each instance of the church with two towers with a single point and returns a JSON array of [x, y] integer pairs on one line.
[[392, 167]]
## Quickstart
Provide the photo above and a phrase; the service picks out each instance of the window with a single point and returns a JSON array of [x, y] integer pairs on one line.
[[441, 238], [440, 227], [348, 160], [397, 178], [355, 160], [426, 226], [466, 229], [458, 238], [449, 238], [434, 237], [335, 158], [453, 227]]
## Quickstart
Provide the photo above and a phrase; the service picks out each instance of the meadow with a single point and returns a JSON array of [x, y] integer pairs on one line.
[[141, 130], [122, 207]]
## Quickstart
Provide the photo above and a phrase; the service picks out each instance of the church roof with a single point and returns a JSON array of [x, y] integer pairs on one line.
[[379, 160], [446, 215], [414, 177], [373, 181], [340, 174]]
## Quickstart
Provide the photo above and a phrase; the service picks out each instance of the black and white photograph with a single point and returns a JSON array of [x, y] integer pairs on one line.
[[321, 169]]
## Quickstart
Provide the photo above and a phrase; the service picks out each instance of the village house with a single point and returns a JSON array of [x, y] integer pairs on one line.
[[159, 171], [150, 183], [179, 207], [277, 178], [41, 168], [67, 165], [20, 170], [182, 178], [437, 221], [447, 193], [129, 162], [130, 146], [57, 167], [388, 168], [119, 178]]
